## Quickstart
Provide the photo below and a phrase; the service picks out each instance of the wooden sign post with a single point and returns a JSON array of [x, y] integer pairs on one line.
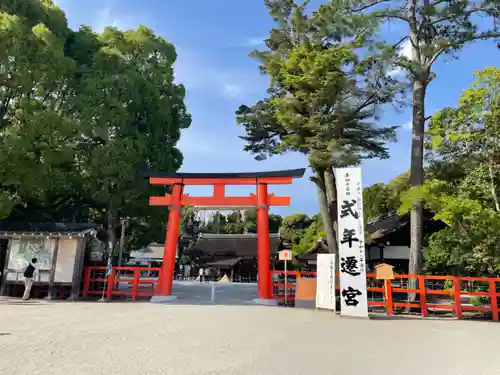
[[285, 255], [385, 272]]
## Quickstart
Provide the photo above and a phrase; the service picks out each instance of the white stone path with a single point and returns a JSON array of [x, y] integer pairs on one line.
[[42, 338]]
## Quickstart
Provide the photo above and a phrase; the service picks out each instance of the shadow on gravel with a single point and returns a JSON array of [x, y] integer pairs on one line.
[[4, 334], [25, 303]]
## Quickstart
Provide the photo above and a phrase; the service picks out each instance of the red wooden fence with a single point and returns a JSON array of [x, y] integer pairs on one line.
[[427, 286], [142, 281], [95, 278]]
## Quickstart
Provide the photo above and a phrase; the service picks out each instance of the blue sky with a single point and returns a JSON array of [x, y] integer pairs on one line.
[[213, 39]]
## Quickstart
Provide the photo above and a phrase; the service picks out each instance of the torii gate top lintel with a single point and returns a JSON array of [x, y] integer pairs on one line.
[[244, 178], [219, 181]]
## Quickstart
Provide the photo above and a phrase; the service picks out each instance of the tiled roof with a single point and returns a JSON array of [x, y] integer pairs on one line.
[[386, 225], [319, 248], [392, 222], [233, 245]]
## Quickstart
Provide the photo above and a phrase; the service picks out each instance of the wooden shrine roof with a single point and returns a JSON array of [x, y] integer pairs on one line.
[[225, 263], [392, 222], [319, 248], [233, 245], [294, 173]]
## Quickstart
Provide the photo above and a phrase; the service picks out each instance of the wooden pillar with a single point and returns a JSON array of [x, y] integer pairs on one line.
[[174, 219], [50, 294], [264, 276]]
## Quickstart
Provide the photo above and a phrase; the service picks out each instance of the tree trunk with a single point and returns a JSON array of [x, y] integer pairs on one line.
[[111, 228], [331, 238], [331, 196], [417, 179], [493, 186]]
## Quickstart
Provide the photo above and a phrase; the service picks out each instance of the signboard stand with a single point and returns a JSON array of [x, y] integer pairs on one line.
[[286, 285], [325, 282], [385, 272], [285, 255]]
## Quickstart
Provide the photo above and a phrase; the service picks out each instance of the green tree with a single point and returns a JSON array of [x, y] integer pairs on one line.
[[37, 133], [293, 226], [375, 200], [435, 29], [84, 119], [130, 114], [379, 199], [323, 99], [466, 135], [302, 231]]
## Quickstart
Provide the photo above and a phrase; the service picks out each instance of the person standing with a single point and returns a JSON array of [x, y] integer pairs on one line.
[[208, 274], [29, 278], [201, 273]]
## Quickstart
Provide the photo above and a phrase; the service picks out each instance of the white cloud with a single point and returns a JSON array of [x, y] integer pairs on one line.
[[196, 72], [248, 42], [254, 42], [405, 50], [407, 125], [109, 16], [107, 13], [232, 91]]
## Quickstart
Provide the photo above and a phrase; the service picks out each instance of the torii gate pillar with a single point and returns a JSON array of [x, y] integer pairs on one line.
[[262, 201], [263, 255]]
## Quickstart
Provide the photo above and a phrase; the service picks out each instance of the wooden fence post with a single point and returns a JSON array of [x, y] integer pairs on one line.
[[423, 297], [456, 294], [110, 285], [388, 296], [135, 284], [86, 282], [493, 299]]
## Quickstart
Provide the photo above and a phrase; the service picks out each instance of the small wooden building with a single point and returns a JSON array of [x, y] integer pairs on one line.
[[232, 254], [388, 239], [60, 249]]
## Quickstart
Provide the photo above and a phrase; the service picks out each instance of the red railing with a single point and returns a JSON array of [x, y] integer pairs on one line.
[[95, 282], [429, 289], [435, 294]]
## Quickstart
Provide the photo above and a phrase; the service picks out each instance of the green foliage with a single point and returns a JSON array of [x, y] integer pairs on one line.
[[239, 222], [323, 97], [380, 199], [84, 118], [302, 232], [468, 202]]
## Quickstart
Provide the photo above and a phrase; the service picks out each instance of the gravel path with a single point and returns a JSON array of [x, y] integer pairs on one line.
[[141, 338]]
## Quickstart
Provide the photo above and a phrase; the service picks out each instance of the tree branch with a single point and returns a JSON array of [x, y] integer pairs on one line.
[[447, 46], [400, 41], [370, 4], [391, 16]]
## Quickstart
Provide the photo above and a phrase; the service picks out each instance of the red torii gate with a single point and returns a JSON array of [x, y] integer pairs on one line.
[[262, 201]]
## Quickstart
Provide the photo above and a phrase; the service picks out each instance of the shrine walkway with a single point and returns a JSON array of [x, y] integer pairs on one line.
[[140, 338]]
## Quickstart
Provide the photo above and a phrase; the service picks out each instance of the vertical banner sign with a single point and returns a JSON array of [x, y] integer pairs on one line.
[[351, 235], [325, 282]]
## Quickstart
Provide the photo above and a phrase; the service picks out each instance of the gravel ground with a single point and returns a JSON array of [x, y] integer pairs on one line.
[[141, 338]]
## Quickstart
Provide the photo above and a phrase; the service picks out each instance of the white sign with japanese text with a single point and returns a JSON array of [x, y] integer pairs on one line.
[[325, 282], [353, 293]]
